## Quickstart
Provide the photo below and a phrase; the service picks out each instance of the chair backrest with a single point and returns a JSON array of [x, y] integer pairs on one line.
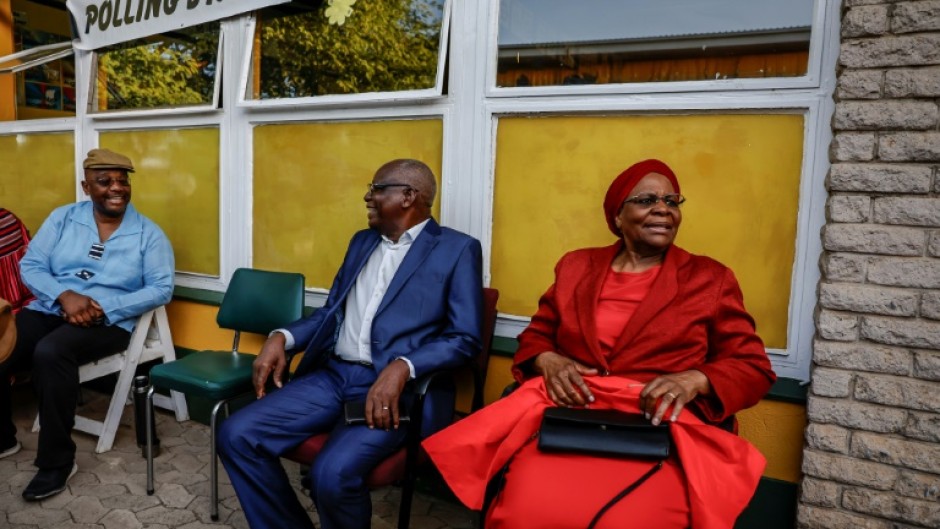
[[260, 301], [490, 297]]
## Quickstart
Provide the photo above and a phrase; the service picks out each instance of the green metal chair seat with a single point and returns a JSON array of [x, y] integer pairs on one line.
[[215, 375]]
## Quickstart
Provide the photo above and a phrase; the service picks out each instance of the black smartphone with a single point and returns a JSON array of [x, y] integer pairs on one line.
[[355, 412]]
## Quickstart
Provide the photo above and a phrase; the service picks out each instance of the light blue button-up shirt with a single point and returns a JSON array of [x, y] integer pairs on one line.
[[133, 274]]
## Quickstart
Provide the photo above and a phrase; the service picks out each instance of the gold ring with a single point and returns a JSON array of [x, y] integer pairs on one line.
[[384, 407], [673, 395]]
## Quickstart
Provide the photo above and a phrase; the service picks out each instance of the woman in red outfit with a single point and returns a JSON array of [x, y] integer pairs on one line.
[[641, 326]]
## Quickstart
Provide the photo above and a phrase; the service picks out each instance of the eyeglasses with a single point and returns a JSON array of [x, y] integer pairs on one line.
[[108, 182], [381, 187], [649, 200]]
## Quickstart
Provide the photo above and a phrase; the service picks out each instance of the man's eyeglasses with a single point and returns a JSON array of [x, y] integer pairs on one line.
[[108, 182], [649, 200], [381, 187]]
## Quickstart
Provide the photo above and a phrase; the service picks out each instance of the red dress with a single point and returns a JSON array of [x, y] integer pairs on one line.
[[692, 318], [706, 487], [620, 296]]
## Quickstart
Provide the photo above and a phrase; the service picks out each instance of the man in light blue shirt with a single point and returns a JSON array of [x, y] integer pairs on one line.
[[94, 267]]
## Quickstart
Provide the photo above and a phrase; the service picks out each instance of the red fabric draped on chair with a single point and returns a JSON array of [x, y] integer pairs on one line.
[[13, 241]]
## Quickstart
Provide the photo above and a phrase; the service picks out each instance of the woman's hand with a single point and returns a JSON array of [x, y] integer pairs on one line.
[[673, 390], [563, 379]]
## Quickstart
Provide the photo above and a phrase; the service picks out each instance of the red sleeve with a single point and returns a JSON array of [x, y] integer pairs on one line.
[[737, 367]]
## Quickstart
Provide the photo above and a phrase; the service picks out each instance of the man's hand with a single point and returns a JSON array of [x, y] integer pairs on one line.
[[79, 309], [272, 360], [563, 379], [382, 400]]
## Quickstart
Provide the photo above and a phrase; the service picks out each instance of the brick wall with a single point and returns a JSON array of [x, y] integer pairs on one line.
[[872, 455]]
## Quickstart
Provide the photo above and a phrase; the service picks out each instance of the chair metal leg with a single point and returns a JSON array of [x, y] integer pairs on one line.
[[407, 494], [214, 466], [412, 447], [149, 421]]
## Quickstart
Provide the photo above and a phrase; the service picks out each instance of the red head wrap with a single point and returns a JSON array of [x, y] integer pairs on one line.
[[621, 187]]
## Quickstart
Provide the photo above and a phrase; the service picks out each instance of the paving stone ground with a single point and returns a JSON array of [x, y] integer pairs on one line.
[[109, 490]]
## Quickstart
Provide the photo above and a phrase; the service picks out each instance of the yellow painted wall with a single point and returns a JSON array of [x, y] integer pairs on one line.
[[309, 180], [37, 175], [741, 175], [193, 326], [776, 429], [176, 184]]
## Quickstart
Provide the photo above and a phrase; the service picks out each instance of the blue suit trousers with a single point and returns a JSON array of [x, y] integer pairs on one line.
[[252, 440]]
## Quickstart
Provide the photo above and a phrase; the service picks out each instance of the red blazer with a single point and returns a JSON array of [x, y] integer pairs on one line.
[[693, 318]]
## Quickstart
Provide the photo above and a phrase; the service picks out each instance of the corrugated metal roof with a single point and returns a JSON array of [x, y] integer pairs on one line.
[[527, 22]]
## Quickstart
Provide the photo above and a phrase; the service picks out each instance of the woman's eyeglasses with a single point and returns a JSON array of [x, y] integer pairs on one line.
[[649, 200]]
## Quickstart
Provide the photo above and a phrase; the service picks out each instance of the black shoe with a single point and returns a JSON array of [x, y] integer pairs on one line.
[[49, 482]]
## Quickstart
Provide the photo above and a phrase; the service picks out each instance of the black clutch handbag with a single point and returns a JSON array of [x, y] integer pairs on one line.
[[603, 432]]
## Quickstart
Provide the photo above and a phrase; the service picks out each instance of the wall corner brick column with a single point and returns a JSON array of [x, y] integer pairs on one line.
[[872, 453]]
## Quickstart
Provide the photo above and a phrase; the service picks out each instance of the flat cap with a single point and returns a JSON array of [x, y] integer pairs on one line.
[[105, 159]]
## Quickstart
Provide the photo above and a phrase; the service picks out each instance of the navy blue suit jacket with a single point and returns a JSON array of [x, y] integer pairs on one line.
[[432, 311]]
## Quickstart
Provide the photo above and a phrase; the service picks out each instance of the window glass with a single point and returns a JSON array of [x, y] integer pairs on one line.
[[308, 194], [46, 90], [38, 175], [335, 48], [176, 185], [168, 70], [562, 42], [740, 174]]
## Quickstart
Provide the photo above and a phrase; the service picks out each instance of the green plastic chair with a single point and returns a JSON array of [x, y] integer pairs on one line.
[[256, 301]]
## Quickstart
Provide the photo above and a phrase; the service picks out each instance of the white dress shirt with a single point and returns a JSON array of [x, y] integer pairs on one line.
[[355, 336]]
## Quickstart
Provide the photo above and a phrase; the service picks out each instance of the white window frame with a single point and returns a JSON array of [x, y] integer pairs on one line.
[[363, 99], [35, 56]]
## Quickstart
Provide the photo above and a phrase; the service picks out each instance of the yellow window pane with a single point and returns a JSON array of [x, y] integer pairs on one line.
[[38, 175], [177, 186], [309, 181], [741, 175]]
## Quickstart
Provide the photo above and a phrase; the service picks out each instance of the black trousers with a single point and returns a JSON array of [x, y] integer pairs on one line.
[[53, 350]]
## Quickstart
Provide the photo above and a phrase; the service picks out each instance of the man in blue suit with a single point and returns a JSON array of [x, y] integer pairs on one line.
[[407, 300]]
